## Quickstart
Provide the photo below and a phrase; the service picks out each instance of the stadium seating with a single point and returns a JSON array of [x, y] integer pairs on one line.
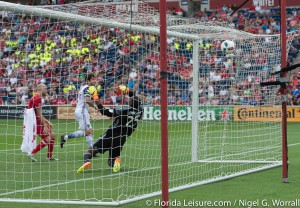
[[102, 59]]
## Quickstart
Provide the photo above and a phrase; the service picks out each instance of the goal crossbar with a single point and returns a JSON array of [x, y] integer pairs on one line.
[[83, 19], [41, 11]]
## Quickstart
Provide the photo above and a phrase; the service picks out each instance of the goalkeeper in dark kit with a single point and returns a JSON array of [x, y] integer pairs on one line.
[[124, 124]]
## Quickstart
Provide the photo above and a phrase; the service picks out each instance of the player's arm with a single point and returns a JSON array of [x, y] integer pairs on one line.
[[89, 101], [107, 112], [114, 112], [131, 93], [47, 124], [39, 115]]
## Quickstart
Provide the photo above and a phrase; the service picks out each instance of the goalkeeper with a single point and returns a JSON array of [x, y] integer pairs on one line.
[[86, 95], [125, 122]]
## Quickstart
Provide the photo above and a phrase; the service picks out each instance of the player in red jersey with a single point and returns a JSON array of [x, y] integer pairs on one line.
[[44, 127]]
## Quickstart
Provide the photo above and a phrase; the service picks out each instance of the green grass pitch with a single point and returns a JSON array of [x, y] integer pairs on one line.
[[18, 173]]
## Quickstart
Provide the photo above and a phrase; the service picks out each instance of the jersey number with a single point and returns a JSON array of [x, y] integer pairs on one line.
[[132, 119]]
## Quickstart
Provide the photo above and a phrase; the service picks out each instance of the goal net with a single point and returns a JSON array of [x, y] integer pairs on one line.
[[222, 123]]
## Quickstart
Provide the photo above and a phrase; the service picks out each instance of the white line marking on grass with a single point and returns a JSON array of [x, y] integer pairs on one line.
[[295, 144], [87, 179], [241, 153]]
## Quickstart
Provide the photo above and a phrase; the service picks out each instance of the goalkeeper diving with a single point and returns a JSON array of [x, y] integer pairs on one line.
[[87, 96], [124, 124]]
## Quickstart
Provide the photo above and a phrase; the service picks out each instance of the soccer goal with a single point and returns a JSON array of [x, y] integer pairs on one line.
[[222, 123]]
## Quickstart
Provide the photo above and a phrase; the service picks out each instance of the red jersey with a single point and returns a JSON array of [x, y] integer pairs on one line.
[[35, 102]]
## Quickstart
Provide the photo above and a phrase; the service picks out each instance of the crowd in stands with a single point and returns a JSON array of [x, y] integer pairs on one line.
[[39, 50], [227, 79], [59, 2]]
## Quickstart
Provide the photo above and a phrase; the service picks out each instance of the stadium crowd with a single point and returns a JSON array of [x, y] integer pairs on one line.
[[37, 50]]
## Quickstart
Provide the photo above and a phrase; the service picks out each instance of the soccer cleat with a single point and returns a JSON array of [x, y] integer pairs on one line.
[[84, 166], [52, 159], [117, 165], [62, 141], [31, 156]]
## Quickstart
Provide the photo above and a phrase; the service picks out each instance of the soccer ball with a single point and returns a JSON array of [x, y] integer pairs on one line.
[[92, 90], [228, 46]]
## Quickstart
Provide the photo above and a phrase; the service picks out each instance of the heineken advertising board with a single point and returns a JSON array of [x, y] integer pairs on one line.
[[184, 113]]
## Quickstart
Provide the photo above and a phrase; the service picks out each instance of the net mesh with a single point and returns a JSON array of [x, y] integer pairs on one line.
[[238, 121]]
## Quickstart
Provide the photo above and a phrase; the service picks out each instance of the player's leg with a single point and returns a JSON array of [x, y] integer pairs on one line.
[[43, 143], [115, 152], [88, 126], [80, 133], [102, 144], [51, 147], [86, 158]]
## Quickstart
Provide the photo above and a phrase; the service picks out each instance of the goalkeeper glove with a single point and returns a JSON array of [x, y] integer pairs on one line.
[[95, 96], [124, 89]]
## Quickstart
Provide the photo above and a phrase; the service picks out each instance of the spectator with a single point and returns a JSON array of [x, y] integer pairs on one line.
[[61, 100], [54, 98]]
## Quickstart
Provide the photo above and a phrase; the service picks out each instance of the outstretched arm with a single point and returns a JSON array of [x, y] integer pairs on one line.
[[131, 93], [109, 112], [105, 112]]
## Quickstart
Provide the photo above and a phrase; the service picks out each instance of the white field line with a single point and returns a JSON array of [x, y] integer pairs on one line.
[[240, 153], [295, 144], [87, 179]]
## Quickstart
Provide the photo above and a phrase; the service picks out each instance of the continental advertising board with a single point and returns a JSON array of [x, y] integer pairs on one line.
[[247, 113]]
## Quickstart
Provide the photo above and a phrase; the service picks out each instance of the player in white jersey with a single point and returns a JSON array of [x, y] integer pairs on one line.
[[84, 101]]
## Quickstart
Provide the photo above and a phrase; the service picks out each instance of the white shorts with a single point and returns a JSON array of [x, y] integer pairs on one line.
[[83, 119]]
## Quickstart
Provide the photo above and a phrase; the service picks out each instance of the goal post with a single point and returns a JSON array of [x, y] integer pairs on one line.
[[221, 122], [163, 50], [284, 92], [195, 102]]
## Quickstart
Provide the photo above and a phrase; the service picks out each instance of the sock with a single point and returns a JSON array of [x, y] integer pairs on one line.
[[50, 148], [86, 157], [40, 146], [75, 134], [89, 140], [111, 162]]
